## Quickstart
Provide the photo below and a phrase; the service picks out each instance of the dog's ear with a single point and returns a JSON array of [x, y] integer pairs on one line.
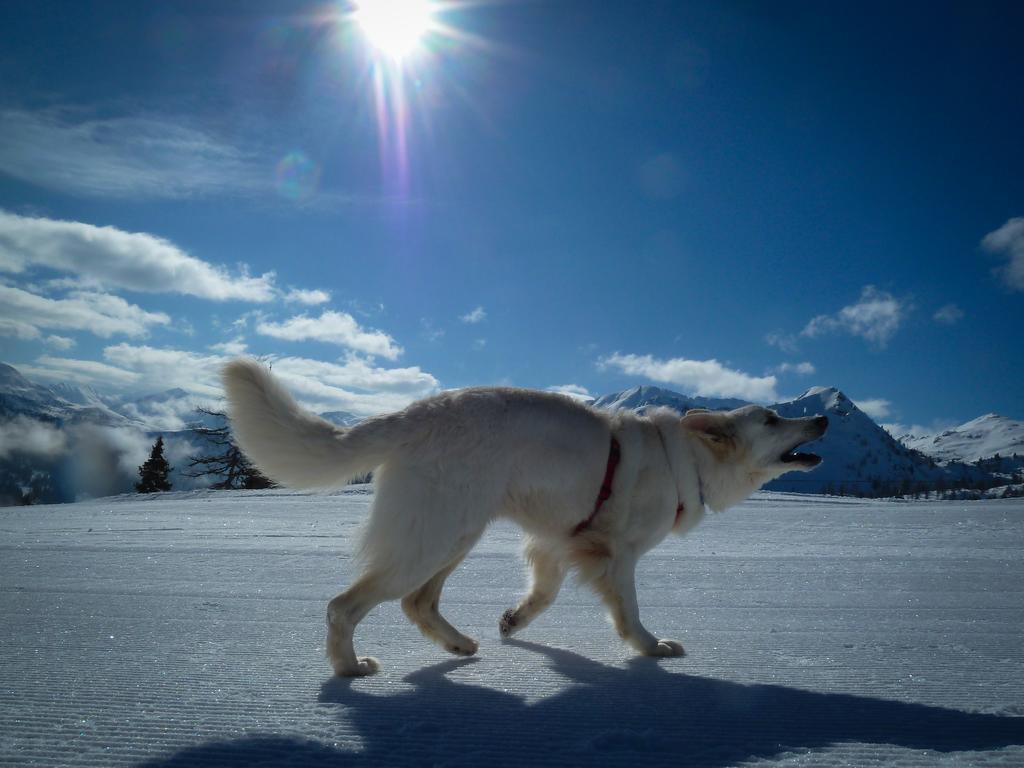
[[710, 425]]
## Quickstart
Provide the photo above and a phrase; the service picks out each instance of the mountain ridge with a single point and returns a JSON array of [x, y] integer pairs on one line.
[[975, 440], [860, 457]]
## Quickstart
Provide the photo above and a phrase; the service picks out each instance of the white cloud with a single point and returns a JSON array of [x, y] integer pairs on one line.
[[107, 256], [574, 391], [876, 316], [784, 341], [16, 328], [876, 408], [24, 435], [310, 297], [429, 331], [479, 343], [99, 313], [354, 384], [800, 369], [62, 343], [333, 328], [1008, 241], [475, 316], [160, 368], [124, 157], [949, 314], [91, 372], [109, 452], [359, 373], [167, 413], [707, 378], [138, 369], [232, 347]]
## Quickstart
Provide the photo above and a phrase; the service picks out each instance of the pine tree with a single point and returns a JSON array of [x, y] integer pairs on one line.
[[153, 475], [228, 463]]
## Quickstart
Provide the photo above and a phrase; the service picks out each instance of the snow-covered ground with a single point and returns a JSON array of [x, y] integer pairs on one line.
[[187, 630]]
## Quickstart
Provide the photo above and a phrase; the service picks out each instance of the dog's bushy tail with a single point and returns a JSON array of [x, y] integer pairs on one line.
[[289, 444]]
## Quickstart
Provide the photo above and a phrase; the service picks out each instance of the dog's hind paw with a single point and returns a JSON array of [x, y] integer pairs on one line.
[[366, 665], [667, 648], [509, 623]]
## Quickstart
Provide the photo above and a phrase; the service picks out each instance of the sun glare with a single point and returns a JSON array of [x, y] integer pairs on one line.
[[413, 48], [395, 27]]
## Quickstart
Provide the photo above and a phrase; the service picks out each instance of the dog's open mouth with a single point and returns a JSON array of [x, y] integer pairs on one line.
[[793, 456]]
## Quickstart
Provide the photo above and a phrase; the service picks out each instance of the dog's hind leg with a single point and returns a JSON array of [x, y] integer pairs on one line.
[[421, 606], [343, 614], [548, 575], [616, 584], [416, 533], [350, 607]]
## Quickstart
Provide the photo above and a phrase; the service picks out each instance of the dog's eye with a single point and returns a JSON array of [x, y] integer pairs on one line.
[[771, 420]]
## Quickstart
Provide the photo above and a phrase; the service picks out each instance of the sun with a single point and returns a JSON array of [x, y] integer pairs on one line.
[[394, 27]]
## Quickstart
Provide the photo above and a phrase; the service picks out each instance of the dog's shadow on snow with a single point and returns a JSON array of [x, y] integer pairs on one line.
[[608, 716]]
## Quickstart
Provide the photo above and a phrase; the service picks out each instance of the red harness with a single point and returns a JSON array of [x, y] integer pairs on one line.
[[614, 454]]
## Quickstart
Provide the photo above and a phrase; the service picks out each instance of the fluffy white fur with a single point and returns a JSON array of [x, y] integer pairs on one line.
[[448, 465]]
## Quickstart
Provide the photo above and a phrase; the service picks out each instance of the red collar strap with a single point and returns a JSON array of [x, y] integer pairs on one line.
[[614, 454], [679, 514]]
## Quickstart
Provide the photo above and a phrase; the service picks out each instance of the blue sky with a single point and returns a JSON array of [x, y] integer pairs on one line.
[[726, 199]]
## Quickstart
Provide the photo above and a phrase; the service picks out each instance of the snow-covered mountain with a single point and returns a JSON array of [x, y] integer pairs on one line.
[[51, 436], [978, 439], [77, 394], [638, 398], [64, 403], [19, 396], [859, 456]]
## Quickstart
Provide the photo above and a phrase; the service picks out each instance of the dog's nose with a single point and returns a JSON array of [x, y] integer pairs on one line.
[[821, 422]]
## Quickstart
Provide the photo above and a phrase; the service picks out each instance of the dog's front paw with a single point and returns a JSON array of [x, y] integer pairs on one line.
[[464, 647], [509, 623], [667, 648]]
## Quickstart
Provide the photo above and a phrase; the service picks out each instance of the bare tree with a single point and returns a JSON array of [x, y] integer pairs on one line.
[[225, 460]]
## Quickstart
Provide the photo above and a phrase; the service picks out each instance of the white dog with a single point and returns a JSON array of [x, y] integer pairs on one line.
[[592, 489]]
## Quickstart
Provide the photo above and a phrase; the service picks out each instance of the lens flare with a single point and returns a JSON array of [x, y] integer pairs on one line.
[[296, 177]]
